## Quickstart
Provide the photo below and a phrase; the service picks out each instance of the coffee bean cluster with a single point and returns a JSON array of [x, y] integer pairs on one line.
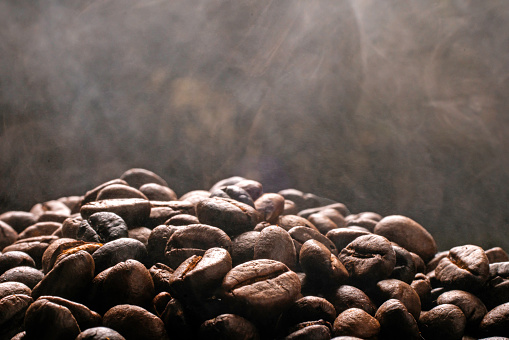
[[131, 260]]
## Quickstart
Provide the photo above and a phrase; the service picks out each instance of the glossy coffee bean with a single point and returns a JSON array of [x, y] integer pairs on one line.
[[39, 229], [117, 251], [70, 227], [134, 211], [443, 322], [323, 223], [270, 206], [12, 313], [290, 208], [227, 214], [302, 234], [308, 308], [226, 181], [228, 326], [356, 322], [7, 235], [176, 320], [408, 234], [99, 333], [404, 269], [496, 254], [496, 290], [422, 286], [18, 220], [339, 207], [136, 177], [275, 243], [287, 222], [253, 188], [396, 322], [119, 191], [55, 249], [233, 192], [471, 306], [91, 195], [158, 192], [496, 322], [53, 206], [134, 322], [363, 222], [33, 246], [341, 237], [396, 289], [243, 247], [182, 219], [85, 317], [156, 243], [161, 275], [141, 234], [13, 259], [346, 297], [261, 288], [310, 330], [14, 288], [26, 275], [465, 268], [368, 259]]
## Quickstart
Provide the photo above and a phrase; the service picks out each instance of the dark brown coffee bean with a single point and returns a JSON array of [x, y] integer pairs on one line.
[[53, 216], [161, 275], [72, 202], [91, 195], [310, 330], [158, 192], [243, 247], [156, 243], [69, 278], [27, 275], [126, 282], [261, 288], [368, 259], [233, 192], [321, 266], [230, 215], [114, 191], [497, 254], [226, 181], [253, 188], [420, 266], [443, 322], [287, 222], [160, 215], [339, 207], [496, 321], [422, 287], [117, 251], [408, 234], [334, 215], [296, 196], [70, 227], [194, 239], [496, 291], [141, 234], [18, 220], [195, 196], [14, 259], [48, 320], [471, 306], [85, 317], [39, 229], [308, 308], [290, 208], [175, 320], [396, 322], [182, 219], [396, 289], [12, 314], [33, 246], [229, 326], [363, 222], [404, 269], [346, 297], [198, 276], [275, 243], [270, 206], [99, 333], [341, 237], [134, 211], [136, 177], [356, 322], [53, 205], [465, 268], [55, 249], [7, 235], [14, 288], [433, 263], [302, 234], [134, 322], [323, 223]]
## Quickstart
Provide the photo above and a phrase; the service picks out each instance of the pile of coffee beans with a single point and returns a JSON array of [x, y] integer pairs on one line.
[[131, 260]]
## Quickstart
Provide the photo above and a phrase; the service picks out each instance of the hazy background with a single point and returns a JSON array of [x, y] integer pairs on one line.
[[398, 107]]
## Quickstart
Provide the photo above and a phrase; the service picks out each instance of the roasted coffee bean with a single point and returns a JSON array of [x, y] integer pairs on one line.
[[158, 192], [465, 268], [275, 243], [70, 227], [290, 208], [119, 191], [156, 243], [404, 269], [261, 289], [27, 275], [39, 229], [14, 288], [302, 234], [496, 321], [420, 266], [91, 195], [141, 234], [318, 330], [33, 246], [99, 333], [433, 263], [334, 215], [72, 202], [339, 207], [270, 206], [442, 322], [182, 219], [161, 275], [53, 205], [160, 301], [304, 200], [308, 308], [69, 277], [287, 222], [471, 306], [13, 259], [136, 177], [126, 282], [243, 247], [85, 317], [497, 287], [229, 326], [7, 235], [226, 181], [12, 314], [396, 322], [408, 234], [55, 249], [198, 276], [48, 320], [230, 215], [321, 266], [195, 196], [176, 320], [233, 192], [363, 222], [53, 216], [194, 239], [341, 237], [134, 322], [496, 254], [422, 287], [396, 289], [160, 215], [346, 297], [117, 251], [253, 188], [18, 220], [368, 259], [356, 322], [134, 211], [323, 223]]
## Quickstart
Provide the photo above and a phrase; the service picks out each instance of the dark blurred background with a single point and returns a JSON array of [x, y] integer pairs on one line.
[[397, 107]]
